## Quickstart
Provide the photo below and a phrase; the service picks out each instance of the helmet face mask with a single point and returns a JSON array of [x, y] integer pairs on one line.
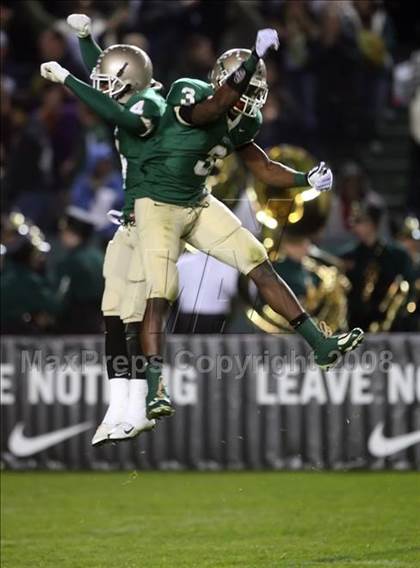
[[122, 70], [108, 84], [253, 99], [255, 96]]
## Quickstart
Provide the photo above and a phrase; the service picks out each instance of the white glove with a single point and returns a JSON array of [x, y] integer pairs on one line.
[[320, 177], [80, 24], [52, 71], [265, 39]]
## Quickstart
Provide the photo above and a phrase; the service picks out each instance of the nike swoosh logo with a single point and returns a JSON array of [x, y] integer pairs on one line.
[[381, 446], [21, 446], [343, 340]]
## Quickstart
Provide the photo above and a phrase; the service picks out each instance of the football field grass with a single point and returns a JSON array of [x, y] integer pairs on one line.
[[200, 520]]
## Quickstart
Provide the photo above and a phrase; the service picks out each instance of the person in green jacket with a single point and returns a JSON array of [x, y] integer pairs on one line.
[[29, 303], [79, 275]]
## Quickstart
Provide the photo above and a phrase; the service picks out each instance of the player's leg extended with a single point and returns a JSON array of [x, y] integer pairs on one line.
[[160, 227], [116, 265], [243, 251], [281, 299]]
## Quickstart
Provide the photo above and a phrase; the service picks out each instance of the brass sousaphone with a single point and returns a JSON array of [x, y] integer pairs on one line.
[[301, 212]]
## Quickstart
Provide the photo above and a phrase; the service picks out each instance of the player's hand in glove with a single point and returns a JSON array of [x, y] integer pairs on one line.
[[320, 177], [80, 24], [52, 71], [266, 39]]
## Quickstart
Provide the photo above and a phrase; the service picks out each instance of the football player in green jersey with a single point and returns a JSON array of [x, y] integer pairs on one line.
[[124, 96], [172, 204], [119, 73]]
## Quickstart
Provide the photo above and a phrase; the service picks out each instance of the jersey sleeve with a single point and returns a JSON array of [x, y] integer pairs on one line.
[[248, 132], [107, 108], [148, 111], [187, 92], [90, 52]]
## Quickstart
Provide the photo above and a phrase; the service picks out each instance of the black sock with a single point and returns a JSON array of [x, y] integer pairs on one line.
[[136, 358], [115, 348], [295, 323]]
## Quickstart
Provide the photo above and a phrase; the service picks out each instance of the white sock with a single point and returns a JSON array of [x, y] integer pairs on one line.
[[136, 410], [118, 399]]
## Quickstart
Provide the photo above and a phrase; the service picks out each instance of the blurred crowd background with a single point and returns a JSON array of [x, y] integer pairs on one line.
[[344, 86]]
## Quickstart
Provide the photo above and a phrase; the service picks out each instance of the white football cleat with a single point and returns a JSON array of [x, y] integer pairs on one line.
[[102, 433], [126, 431]]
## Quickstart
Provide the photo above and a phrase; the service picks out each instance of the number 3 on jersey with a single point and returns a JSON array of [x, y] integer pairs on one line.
[[188, 96], [204, 167]]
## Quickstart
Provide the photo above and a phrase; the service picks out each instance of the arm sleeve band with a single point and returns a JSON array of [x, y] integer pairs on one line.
[[300, 179], [239, 79]]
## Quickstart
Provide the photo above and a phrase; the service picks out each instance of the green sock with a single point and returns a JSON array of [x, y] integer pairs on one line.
[[311, 332], [153, 376]]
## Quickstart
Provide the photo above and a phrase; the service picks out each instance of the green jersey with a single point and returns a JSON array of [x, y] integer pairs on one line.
[[179, 157], [150, 106], [130, 136]]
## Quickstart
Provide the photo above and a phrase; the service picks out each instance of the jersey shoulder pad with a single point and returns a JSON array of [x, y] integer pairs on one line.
[[185, 92], [253, 123], [144, 104]]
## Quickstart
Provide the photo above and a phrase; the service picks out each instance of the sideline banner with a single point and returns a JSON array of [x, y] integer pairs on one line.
[[242, 402]]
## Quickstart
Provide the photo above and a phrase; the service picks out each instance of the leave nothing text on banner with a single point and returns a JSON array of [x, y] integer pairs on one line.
[[242, 401]]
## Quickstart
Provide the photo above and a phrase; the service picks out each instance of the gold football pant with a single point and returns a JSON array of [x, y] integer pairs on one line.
[[125, 284], [210, 227]]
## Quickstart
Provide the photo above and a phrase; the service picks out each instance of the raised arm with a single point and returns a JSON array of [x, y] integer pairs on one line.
[[101, 104], [279, 175], [228, 94], [90, 50]]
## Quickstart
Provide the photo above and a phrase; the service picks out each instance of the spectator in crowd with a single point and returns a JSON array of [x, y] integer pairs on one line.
[[93, 132], [291, 268], [375, 40], [299, 31], [79, 275], [354, 48], [167, 25], [197, 59], [28, 300], [46, 141], [282, 121], [352, 186], [374, 267], [7, 80], [328, 92], [407, 92], [99, 189], [407, 233], [53, 46], [139, 40]]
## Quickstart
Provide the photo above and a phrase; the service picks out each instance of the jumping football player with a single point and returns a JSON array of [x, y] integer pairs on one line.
[[123, 95], [124, 75], [172, 204]]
